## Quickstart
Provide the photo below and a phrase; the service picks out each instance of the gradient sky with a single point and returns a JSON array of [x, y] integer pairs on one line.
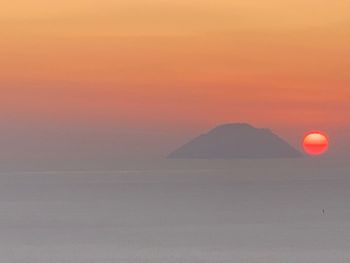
[[156, 72]]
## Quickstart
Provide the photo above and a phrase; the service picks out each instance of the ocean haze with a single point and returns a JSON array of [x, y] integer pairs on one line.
[[286, 210]]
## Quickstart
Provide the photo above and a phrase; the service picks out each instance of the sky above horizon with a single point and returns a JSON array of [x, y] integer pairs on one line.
[[160, 71]]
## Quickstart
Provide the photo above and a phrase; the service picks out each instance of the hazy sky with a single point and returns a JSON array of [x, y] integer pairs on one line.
[[153, 72]]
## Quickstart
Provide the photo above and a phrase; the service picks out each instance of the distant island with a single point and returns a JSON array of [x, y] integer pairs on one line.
[[236, 140]]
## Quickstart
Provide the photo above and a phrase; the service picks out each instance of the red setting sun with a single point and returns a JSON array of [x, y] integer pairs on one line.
[[315, 143]]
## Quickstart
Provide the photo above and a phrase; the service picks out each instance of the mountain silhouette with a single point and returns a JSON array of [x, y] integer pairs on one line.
[[236, 140]]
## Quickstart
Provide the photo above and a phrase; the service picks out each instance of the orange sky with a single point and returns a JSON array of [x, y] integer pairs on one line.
[[180, 64]]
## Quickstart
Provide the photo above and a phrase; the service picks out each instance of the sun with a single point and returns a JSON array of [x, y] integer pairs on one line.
[[315, 143]]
